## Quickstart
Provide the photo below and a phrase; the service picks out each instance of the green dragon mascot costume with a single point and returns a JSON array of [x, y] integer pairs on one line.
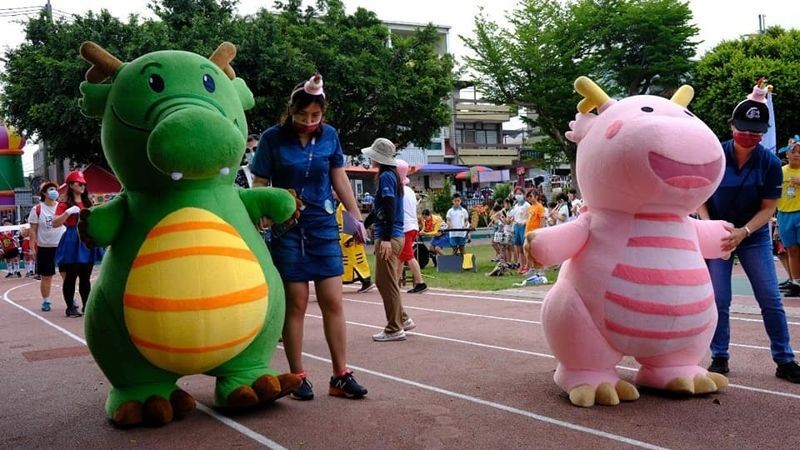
[[187, 285]]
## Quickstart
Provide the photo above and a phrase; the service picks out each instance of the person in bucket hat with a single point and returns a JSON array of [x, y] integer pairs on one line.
[[387, 215], [747, 198], [381, 151]]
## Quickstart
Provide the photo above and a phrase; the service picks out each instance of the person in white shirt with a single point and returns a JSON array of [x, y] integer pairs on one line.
[[520, 214], [411, 230], [45, 237], [457, 217]]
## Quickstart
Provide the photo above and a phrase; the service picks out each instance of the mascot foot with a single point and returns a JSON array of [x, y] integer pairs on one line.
[[182, 403], [156, 410], [270, 388], [604, 394], [242, 397], [700, 384]]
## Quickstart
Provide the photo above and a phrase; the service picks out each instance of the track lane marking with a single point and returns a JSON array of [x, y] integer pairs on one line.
[[258, 437], [509, 319], [546, 355], [499, 406]]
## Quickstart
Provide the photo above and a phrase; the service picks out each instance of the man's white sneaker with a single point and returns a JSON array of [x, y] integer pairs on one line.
[[383, 336], [409, 325]]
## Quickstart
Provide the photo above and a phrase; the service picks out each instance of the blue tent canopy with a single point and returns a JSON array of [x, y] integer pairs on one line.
[[439, 168]]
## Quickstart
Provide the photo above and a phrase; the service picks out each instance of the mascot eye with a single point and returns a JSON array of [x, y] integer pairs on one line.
[[688, 113], [647, 109], [156, 83], [208, 83]]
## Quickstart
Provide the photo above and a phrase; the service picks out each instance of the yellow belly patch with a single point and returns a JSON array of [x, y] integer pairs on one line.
[[196, 295]]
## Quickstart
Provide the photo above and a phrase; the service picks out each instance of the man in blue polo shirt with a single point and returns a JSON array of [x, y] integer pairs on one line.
[[747, 197]]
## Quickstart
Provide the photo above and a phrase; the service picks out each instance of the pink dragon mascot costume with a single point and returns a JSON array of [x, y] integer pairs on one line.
[[634, 280]]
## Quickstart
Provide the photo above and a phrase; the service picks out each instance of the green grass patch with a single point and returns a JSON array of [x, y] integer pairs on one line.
[[472, 281]]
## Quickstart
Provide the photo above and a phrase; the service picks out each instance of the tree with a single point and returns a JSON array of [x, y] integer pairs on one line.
[[396, 91], [549, 44], [728, 72]]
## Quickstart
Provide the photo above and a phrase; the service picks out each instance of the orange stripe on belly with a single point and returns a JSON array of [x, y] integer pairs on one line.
[[190, 226], [209, 348], [143, 260], [162, 304]]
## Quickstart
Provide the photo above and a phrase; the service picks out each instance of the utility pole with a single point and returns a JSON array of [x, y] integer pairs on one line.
[[762, 23], [48, 10]]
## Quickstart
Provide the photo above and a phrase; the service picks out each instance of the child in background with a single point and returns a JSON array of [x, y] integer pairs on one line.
[[27, 256], [9, 250], [457, 217]]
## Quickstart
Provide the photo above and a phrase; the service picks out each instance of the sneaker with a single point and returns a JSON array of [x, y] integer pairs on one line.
[[788, 371], [366, 287], [383, 336], [19, 275], [409, 325], [45, 306], [418, 288], [719, 365], [304, 392], [792, 290], [346, 386], [73, 312], [9, 275], [785, 284]]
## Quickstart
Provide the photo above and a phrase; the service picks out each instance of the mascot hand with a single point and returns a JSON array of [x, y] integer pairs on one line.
[[532, 262], [267, 222], [83, 228]]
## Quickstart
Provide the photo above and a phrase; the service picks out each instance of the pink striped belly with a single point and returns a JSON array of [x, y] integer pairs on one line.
[[659, 297]]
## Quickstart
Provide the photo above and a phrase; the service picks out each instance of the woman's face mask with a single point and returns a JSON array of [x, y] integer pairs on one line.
[[519, 198], [306, 127], [53, 194]]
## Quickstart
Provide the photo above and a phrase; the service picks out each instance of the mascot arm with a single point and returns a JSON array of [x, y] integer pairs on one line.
[[709, 235], [99, 226], [277, 204], [554, 245]]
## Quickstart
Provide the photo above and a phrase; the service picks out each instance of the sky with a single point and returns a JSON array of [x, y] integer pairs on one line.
[[741, 17]]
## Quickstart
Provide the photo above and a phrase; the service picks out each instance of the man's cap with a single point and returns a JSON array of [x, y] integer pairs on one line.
[[750, 115]]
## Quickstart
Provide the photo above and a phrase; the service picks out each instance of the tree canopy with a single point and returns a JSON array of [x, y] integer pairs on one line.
[[728, 72], [374, 89], [625, 45]]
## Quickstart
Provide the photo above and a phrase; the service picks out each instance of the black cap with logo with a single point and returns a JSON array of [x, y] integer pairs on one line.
[[750, 115]]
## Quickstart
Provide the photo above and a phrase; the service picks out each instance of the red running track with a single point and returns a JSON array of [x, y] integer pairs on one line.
[[476, 373]]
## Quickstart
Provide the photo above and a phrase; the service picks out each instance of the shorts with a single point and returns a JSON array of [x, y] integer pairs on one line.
[[11, 253], [789, 228], [519, 234], [408, 246], [458, 241], [46, 261]]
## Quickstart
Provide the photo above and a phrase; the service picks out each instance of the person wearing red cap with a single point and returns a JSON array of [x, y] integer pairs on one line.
[[73, 258]]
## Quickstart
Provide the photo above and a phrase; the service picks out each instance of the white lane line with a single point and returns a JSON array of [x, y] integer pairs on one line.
[[443, 311], [477, 297], [458, 313], [547, 355], [442, 338], [258, 437], [539, 302], [499, 406]]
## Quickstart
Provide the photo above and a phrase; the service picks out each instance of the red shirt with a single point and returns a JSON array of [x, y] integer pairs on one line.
[[72, 221]]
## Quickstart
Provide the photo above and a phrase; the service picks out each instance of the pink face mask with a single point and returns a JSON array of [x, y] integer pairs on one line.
[[306, 128], [746, 140]]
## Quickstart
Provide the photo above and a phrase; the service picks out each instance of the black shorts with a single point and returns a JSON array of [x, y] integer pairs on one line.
[[11, 254], [46, 261]]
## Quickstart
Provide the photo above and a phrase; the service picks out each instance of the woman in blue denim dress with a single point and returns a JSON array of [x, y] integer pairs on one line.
[[304, 154]]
